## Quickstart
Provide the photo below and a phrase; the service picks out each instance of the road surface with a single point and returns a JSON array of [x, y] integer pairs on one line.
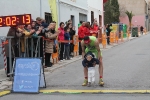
[[126, 67]]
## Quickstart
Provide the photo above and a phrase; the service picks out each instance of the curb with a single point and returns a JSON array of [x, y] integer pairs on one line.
[[87, 91], [4, 93], [98, 91]]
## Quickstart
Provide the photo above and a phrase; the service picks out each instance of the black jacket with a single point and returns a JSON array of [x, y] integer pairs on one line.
[[72, 33], [91, 63]]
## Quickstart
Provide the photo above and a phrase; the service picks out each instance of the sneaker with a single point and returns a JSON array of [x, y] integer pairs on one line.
[[101, 83], [89, 84], [85, 82], [61, 60]]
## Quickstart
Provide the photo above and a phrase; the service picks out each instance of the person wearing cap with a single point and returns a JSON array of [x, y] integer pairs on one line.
[[92, 44], [90, 62], [38, 23]]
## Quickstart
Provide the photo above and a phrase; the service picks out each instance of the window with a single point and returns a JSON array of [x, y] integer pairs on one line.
[[100, 20], [48, 17], [82, 17], [92, 16]]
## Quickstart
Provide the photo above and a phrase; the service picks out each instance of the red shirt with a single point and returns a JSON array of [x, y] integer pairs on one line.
[[87, 31], [81, 31], [61, 34], [94, 29]]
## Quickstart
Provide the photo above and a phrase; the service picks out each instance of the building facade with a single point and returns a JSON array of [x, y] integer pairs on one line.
[[95, 10], [37, 8], [76, 10], [58, 10], [140, 10]]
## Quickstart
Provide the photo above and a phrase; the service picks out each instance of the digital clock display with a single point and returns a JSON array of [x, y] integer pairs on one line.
[[14, 20]]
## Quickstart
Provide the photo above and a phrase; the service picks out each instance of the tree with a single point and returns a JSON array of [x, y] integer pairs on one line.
[[112, 12], [122, 9], [130, 15], [115, 10]]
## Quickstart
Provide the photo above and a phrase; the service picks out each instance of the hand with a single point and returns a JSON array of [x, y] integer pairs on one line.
[[40, 28], [58, 32], [38, 32], [32, 31], [20, 31], [73, 28]]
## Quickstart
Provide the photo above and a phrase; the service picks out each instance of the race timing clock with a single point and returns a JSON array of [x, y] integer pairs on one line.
[[14, 20]]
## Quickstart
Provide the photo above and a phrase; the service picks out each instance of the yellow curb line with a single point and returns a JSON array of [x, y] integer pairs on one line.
[[4, 93], [95, 91], [88, 91]]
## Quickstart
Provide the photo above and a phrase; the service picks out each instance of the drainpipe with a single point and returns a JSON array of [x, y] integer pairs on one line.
[[40, 8]]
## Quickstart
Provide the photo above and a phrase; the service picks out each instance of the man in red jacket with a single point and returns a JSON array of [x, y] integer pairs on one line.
[[81, 34]]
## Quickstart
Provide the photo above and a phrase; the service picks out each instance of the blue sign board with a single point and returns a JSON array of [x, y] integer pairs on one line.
[[27, 75]]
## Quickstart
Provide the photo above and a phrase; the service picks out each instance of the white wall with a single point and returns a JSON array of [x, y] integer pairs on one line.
[[97, 7], [15, 7], [78, 3], [72, 8]]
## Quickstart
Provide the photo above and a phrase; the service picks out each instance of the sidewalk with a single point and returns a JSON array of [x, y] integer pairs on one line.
[[6, 84]]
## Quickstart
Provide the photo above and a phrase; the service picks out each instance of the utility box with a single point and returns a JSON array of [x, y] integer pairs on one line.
[[124, 30], [134, 31]]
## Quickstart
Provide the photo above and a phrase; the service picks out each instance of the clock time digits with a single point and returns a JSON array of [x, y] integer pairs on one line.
[[1, 21], [26, 19], [11, 20]]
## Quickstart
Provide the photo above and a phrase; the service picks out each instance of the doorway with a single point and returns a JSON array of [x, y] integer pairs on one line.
[[73, 20]]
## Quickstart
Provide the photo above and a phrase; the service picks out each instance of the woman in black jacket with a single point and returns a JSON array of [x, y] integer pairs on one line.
[[72, 33]]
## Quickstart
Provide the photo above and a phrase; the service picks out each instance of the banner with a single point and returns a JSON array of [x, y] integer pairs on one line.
[[54, 11]]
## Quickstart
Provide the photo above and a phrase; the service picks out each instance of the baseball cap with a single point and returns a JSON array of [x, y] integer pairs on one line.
[[86, 39]]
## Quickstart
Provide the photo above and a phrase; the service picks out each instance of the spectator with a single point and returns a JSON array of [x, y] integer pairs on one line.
[[38, 29], [80, 24], [53, 30], [81, 34], [23, 39], [49, 44], [44, 24], [87, 29], [61, 38], [33, 34], [33, 24], [70, 21], [67, 45], [94, 28], [108, 30], [72, 33], [38, 23], [13, 31], [141, 29]]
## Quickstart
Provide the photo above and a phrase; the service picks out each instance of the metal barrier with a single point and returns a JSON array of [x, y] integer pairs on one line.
[[32, 48], [29, 48]]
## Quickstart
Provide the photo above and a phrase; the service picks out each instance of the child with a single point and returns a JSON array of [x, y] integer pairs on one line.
[[67, 45], [90, 62]]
